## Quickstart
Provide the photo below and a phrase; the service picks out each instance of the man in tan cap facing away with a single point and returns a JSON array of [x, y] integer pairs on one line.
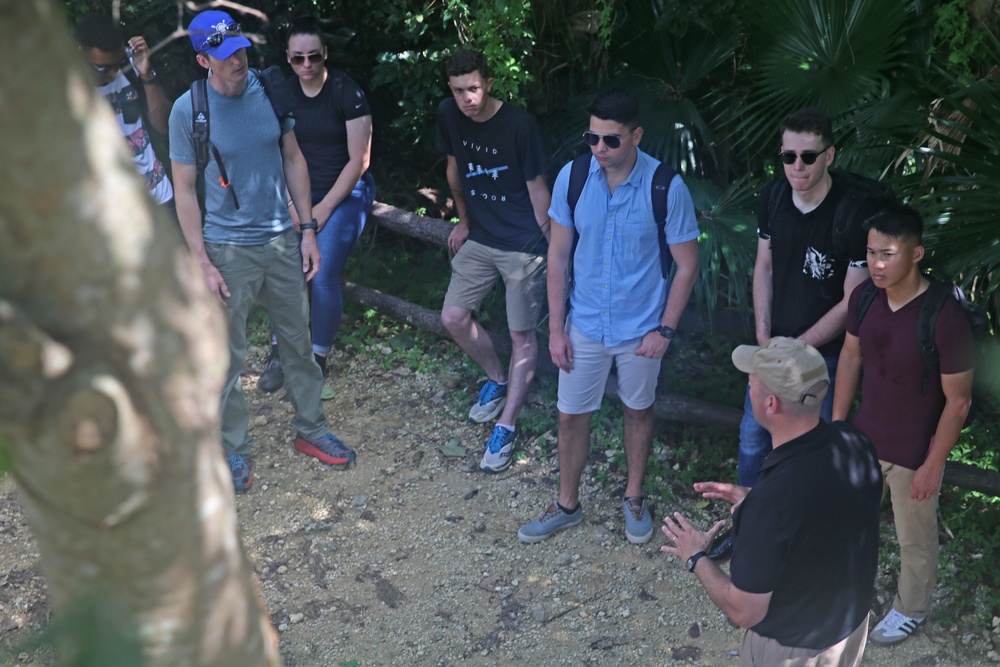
[[805, 537]]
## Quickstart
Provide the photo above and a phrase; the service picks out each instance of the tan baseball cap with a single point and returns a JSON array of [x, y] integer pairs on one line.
[[792, 368]]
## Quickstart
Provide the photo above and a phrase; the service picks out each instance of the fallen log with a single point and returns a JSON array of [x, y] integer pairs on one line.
[[667, 406]]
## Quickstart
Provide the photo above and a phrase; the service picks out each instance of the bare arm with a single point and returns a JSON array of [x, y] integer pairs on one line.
[[157, 104], [848, 377], [461, 231], [957, 389], [832, 323], [189, 216], [745, 609], [557, 282], [297, 182], [763, 291], [686, 260], [538, 192], [359, 148]]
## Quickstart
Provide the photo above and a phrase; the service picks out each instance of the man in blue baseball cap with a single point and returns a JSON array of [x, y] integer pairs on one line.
[[247, 245]]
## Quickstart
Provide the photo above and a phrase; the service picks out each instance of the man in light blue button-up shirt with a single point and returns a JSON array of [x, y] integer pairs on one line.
[[621, 308]]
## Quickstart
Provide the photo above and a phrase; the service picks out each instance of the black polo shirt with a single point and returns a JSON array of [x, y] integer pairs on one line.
[[808, 532]]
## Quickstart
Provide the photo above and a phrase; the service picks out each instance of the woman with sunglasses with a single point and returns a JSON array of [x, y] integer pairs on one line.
[[333, 126]]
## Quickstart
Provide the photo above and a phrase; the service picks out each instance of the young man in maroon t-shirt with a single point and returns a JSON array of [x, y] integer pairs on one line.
[[912, 413]]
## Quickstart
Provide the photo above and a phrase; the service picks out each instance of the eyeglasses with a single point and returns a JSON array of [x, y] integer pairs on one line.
[[315, 58], [612, 141], [808, 157], [216, 39], [104, 69]]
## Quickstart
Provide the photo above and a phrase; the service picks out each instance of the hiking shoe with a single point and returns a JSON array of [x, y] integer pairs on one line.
[[638, 522], [239, 468], [492, 398], [499, 447], [273, 377], [894, 628], [551, 521], [329, 449]]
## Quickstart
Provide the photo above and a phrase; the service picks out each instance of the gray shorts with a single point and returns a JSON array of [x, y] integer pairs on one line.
[[583, 390], [475, 268]]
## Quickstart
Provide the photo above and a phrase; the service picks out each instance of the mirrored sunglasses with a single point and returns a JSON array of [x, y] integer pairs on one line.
[[216, 39], [104, 69], [314, 58], [808, 157], [612, 141]]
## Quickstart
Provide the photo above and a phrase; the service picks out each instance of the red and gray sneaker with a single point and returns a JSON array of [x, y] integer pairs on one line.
[[329, 449], [239, 468]]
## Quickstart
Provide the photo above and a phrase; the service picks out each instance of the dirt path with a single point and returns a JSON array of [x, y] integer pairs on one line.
[[411, 557]]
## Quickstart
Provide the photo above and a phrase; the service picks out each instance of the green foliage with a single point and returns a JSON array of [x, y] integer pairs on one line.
[[958, 37]]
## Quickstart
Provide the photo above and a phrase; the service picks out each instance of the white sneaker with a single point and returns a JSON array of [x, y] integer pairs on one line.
[[492, 398], [894, 628]]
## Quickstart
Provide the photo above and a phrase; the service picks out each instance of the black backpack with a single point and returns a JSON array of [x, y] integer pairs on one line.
[[860, 191], [659, 189], [282, 102], [938, 292]]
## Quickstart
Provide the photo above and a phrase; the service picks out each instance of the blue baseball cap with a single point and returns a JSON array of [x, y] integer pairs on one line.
[[219, 28]]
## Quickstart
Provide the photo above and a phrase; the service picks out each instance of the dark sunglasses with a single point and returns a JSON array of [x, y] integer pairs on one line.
[[612, 141], [104, 69], [216, 39], [808, 157], [314, 58]]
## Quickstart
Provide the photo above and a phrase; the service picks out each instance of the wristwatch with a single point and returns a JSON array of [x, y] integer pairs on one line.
[[693, 560], [312, 224], [665, 331]]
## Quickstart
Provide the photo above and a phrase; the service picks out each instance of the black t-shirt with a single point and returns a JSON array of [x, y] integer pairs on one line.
[[808, 264], [808, 532], [321, 130], [495, 160]]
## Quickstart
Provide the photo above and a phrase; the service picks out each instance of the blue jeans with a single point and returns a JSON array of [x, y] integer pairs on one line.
[[755, 441], [335, 241]]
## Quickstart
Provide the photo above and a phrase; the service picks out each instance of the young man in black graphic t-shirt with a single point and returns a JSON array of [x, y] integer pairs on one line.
[[496, 170]]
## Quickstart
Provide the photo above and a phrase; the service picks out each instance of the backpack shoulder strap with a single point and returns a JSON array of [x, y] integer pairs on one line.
[[865, 301], [200, 134], [937, 293], [659, 191], [578, 174]]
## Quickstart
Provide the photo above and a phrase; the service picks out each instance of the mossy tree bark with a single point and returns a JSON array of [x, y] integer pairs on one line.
[[112, 355]]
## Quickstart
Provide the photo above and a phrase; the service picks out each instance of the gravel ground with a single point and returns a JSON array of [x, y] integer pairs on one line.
[[411, 557]]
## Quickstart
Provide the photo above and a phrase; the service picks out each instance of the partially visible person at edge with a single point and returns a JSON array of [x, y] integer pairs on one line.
[[252, 253], [130, 85], [913, 413], [496, 171], [806, 536], [621, 308], [803, 276], [333, 125]]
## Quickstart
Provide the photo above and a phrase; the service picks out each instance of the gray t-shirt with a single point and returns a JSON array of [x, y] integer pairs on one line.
[[246, 132]]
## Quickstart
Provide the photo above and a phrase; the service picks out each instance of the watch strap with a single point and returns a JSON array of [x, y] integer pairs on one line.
[[312, 224], [693, 560]]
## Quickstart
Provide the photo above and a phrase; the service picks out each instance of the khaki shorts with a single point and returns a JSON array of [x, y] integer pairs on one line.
[[475, 269], [582, 390]]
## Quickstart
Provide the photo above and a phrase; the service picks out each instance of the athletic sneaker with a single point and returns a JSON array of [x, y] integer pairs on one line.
[[894, 628], [273, 377], [498, 450], [329, 449], [551, 521], [492, 398], [239, 468], [638, 522]]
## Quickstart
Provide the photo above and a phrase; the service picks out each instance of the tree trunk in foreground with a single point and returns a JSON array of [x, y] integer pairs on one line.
[[112, 355]]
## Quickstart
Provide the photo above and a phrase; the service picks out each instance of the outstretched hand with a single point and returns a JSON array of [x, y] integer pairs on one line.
[[721, 491], [687, 540]]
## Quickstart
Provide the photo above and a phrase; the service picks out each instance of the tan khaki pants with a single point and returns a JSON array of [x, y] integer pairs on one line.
[[757, 651]]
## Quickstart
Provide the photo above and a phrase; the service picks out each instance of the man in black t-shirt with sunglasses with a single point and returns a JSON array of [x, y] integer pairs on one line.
[[805, 271]]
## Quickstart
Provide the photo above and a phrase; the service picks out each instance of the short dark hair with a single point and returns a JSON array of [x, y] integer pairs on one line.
[[618, 105], [467, 61], [898, 221], [99, 31], [305, 25], [812, 120]]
